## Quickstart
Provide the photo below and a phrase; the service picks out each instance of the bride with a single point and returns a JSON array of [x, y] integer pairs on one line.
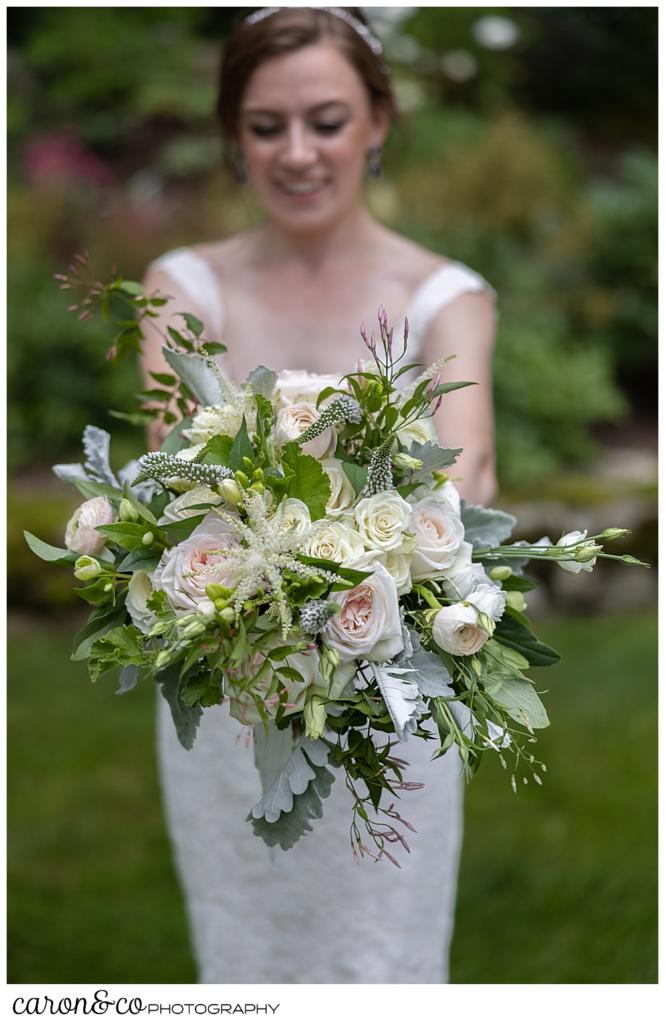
[[305, 104]]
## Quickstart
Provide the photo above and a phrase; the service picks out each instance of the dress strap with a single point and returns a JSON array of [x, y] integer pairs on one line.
[[437, 290], [193, 273]]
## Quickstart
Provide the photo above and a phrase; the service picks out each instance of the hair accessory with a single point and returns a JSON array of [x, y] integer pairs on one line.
[[339, 12]]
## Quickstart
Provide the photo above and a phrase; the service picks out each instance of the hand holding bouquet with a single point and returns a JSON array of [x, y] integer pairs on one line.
[[297, 551]]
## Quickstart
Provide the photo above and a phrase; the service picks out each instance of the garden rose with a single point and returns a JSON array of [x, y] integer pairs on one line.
[[446, 493], [342, 494], [368, 624], [397, 563], [295, 517], [382, 520], [299, 386], [185, 570], [455, 629], [439, 533], [292, 420], [81, 532], [421, 431]]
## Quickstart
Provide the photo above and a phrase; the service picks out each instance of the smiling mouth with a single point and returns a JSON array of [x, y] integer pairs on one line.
[[301, 188]]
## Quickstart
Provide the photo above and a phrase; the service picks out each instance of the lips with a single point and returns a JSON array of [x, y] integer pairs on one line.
[[301, 189]]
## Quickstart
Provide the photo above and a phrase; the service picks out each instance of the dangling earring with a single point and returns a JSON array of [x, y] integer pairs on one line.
[[239, 167], [374, 165]]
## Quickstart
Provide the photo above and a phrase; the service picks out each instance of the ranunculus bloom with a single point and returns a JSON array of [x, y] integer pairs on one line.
[[81, 533], [185, 570], [382, 520], [368, 624], [138, 592], [464, 575], [490, 599], [439, 533], [455, 629], [294, 419]]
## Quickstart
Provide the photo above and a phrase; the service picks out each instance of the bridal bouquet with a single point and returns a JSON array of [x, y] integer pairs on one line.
[[297, 552]]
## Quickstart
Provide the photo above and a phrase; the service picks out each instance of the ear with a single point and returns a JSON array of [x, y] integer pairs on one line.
[[380, 126]]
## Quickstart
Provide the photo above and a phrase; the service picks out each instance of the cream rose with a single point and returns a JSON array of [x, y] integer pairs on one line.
[[455, 629], [382, 520], [342, 494], [334, 541], [295, 517], [421, 431], [446, 494], [397, 563], [139, 590], [368, 624], [439, 533], [182, 507], [81, 532], [185, 571], [292, 420]]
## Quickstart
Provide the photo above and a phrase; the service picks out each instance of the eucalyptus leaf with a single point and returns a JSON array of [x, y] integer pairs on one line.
[[485, 527], [307, 806], [96, 446], [432, 457], [401, 695], [49, 553], [195, 372], [284, 769]]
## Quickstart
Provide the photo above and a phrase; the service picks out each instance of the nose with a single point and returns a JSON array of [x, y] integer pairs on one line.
[[298, 151]]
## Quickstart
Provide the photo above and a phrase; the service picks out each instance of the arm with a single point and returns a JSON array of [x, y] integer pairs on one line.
[[151, 359], [466, 328]]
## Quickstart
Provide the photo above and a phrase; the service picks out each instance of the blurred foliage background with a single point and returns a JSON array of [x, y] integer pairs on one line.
[[527, 149]]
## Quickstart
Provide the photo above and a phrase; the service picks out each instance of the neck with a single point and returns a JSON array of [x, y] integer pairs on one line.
[[315, 250]]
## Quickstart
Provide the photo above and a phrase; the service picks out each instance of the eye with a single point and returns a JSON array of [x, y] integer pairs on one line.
[[329, 127], [264, 131]]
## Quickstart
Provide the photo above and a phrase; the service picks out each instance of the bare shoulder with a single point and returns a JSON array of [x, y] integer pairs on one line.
[[413, 261]]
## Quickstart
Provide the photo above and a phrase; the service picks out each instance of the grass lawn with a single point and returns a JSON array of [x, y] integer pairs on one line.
[[558, 884]]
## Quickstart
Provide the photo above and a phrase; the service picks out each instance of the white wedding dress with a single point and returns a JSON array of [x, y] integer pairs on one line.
[[310, 914]]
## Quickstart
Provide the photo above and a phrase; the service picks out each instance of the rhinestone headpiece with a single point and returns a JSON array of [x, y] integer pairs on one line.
[[339, 12]]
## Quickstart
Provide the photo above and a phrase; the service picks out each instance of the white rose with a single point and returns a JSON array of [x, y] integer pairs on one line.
[[292, 420], [489, 599], [397, 563], [299, 386], [464, 575], [368, 624], [139, 590], [81, 532], [334, 541], [182, 507], [576, 537], [185, 570], [446, 494], [421, 431], [295, 517], [439, 533], [382, 520], [342, 494], [455, 629]]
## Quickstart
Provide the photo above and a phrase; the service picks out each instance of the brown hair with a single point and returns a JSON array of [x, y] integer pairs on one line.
[[289, 29]]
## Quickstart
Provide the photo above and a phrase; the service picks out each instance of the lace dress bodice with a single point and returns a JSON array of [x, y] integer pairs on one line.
[[309, 915]]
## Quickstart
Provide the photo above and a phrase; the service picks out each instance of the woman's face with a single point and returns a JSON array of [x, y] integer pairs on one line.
[[306, 124]]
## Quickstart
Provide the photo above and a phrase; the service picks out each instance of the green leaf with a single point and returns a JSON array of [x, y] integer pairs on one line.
[[132, 288], [175, 532], [128, 535], [356, 475], [213, 348], [100, 622], [138, 506], [513, 634], [310, 483], [352, 576], [193, 324], [195, 372], [139, 560], [518, 699], [174, 441], [186, 720], [202, 689], [520, 583], [241, 448], [120, 646], [486, 527], [92, 489], [47, 552], [217, 451]]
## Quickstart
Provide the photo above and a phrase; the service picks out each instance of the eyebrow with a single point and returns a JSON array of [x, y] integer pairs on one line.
[[318, 108]]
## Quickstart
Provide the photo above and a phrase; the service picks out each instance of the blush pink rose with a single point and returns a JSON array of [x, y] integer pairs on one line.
[[185, 570]]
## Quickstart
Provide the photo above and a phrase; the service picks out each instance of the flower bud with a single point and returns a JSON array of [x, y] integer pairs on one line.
[[206, 609], [86, 568], [501, 572], [227, 615], [221, 603], [440, 477], [127, 513], [257, 487], [585, 552], [258, 473], [486, 622], [516, 600], [158, 629], [108, 588], [476, 666], [148, 539], [193, 630], [162, 659], [215, 590], [315, 717], [614, 532], [242, 479], [404, 461], [230, 491], [247, 462]]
